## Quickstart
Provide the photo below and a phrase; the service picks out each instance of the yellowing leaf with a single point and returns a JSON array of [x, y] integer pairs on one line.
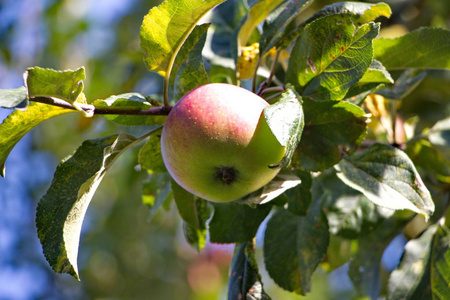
[[247, 60]]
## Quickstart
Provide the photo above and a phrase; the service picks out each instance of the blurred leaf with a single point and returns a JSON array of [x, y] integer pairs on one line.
[[61, 210], [285, 119], [331, 130], [18, 123], [133, 102], [150, 157], [439, 134], [387, 177], [244, 281], [330, 56], [195, 212], [257, 13], [66, 85], [294, 246], [191, 72], [156, 192], [404, 281], [236, 223], [424, 155], [165, 29], [11, 98], [275, 30], [404, 85], [300, 196], [440, 264], [424, 48], [365, 267]]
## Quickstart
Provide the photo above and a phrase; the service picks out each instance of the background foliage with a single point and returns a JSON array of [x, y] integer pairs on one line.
[[123, 255]]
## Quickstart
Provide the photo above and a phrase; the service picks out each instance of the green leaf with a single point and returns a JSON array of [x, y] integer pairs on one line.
[[244, 281], [274, 32], [440, 264], [132, 102], [257, 13], [358, 12], [150, 157], [439, 134], [166, 27], [404, 281], [425, 156], [195, 212], [19, 123], [365, 266], [191, 71], [66, 85], [404, 85], [424, 48], [331, 130], [387, 177], [294, 246], [236, 223], [330, 56], [285, 119], [61, 210], [299, 197], [156, 192], [11, 98]]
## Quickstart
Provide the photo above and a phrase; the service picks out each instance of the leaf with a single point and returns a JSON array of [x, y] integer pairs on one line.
[[285, 119], [404, 85], [156, 192], [424, 48], [61, 210], [358, 12], [331, 130], [364, 269], [166, 27], [14, 98], [191, 72], [425, 156], [275, 30], [387, 177], [294, 246], [150, 157], [330, 56], [404, 281], [19, 123], [277, 186], [244, 281], [132, 102], [194, 211], [236, 223], [440, 263], [300, 195], [257, 13], [439, 134]]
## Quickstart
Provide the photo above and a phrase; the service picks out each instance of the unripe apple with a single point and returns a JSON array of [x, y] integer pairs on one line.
[[217, 144]]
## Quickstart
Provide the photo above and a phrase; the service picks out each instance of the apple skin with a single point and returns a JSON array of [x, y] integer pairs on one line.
[[217, 144]]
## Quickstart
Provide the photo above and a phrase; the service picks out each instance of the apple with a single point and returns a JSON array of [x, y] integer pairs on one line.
[[217, 144]]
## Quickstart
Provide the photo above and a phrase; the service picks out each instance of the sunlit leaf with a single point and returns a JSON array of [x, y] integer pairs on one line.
[[424, 48], [330, 56], [61, 210], [404, 281], [18, 123], [244, 281], [150, 157], [132, 102], [358, 12], [439, 134], [11, 98], [387, 177], [243, 219], [331, 130], [285, 119], [166, 27], [440, 264], [294, 246]]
